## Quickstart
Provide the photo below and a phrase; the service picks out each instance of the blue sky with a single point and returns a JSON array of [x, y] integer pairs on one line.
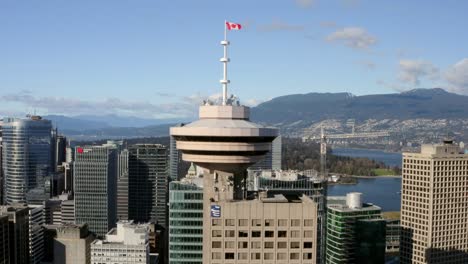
[[160, 58]]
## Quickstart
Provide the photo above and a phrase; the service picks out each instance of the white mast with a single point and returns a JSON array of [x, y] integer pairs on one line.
[[225, 61]]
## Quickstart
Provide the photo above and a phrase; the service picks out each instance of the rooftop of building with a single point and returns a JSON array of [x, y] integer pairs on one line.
[[263, 197], [287, 175], [350, 203], [394, 215], [447, 148], [126, 233]]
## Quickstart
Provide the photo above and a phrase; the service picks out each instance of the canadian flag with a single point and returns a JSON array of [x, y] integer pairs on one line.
[[233, 26]]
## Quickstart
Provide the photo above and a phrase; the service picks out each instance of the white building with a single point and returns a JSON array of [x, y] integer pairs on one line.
[[128, 243]]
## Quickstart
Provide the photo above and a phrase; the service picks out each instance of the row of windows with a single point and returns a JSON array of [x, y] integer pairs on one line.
[[280, 233], [259, 222], [258, 256], [258, 244]]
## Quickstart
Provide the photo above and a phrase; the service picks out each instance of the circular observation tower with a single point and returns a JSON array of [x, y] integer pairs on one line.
[[223, 139]]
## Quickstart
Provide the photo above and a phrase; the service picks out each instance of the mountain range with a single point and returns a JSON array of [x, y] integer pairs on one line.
[[419, 109], [313, 107]]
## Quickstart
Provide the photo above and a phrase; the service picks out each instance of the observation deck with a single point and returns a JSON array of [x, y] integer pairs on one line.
[[223, 138]]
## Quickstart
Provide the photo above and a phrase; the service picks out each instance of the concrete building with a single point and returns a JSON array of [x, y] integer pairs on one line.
[[72, 244], [4, 239], [68, 211], [36, 233], [288, 182], [126, 244], [186, 219], [95, 176], [265, 230], [26, 156], [348, 224], [147, 183], [18, 232], [434, 207]]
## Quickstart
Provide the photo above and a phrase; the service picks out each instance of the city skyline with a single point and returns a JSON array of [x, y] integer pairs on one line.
[[159, 59]]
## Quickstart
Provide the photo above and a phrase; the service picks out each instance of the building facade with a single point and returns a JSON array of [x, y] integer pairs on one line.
[[306, 182], [72, 245], [125, 244], [95, 176], [148, 183], [18, 232], [27, 156], [434, 207], [122, 186], [36, 233], [347, 218], [174, 158], [273, 158], [4, 239], [185, 222]]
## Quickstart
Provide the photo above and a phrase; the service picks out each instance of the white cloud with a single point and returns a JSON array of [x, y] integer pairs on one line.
[[252, 102], [412, 71], [178, 107], [353, 37], [278, 25], [457, 77]]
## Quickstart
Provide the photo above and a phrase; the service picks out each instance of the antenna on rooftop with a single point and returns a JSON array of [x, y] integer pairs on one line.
[[225, 59]]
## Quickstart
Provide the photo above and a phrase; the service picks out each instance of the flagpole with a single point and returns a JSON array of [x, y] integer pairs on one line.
[[225, 60]]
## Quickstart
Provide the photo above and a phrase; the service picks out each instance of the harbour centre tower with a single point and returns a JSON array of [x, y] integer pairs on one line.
[[237, 228]]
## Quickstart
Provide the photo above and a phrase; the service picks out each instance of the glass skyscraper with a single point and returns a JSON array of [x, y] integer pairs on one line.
[[185, 223], [147, 183], [26, 155], [348, 224]]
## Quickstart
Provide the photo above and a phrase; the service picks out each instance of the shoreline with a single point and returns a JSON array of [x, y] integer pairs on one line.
[[383, 150], [373, 177]]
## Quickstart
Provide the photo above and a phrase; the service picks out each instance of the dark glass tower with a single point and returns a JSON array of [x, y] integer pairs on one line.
[[147, 183]]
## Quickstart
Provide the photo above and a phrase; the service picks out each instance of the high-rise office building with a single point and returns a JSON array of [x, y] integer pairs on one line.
[[60, 150], [95, 181], [186, 219], [72, 245], [127, 243], [147, 183], [4, 239], [287, 182], [26, 155], [122, 185], [348, 223], [18, 232], [36, 233], [174, 158], [434, 206]]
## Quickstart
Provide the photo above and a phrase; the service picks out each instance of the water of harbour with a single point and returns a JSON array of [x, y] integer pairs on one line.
[[381, 191], [389, 158]]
